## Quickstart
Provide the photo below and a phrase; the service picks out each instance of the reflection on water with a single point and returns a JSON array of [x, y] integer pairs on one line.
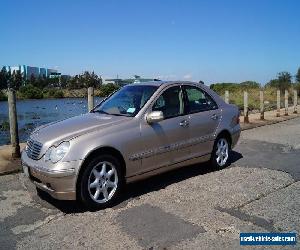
[[33, 113]]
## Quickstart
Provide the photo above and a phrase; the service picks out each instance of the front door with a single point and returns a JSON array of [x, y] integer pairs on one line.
[[163, 139]]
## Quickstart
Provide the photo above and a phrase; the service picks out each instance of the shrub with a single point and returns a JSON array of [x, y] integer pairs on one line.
[[3, 97], [107, 89], [54, 93], [4, 126], [30, 92]]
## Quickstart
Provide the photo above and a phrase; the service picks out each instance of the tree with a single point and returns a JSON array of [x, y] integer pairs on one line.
[[32, 80], [90, 79], [3, 78], [283, 81], [107, 89], [85, 80], [16, 80], [250, 84], [74, 83], [297, 76], [284, 77]]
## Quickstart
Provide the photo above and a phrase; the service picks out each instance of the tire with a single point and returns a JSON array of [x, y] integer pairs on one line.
[[220, 158], [101, 182]]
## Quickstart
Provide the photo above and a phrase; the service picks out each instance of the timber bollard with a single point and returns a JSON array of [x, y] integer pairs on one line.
[[246, 111], [13, 123], [286, 103], [278, 103], [262, 106], [226, 96], [90, 98], [295, 101]]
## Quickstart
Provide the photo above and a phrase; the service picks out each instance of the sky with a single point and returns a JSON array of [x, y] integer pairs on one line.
[[213, 41]]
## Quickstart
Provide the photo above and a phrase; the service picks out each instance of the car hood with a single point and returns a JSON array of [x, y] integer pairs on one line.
[[56, 132]]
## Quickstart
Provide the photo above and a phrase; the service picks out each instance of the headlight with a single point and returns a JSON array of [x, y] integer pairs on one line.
[[55, 154]]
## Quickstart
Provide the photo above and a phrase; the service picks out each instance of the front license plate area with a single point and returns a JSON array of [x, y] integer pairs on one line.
[[26, 171]]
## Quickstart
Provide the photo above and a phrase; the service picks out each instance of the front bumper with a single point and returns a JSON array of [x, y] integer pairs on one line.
[[59, 180]]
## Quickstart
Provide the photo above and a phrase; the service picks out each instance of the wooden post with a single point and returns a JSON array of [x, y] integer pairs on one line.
[[262, 106], [90, 98], [278, 103], [226, 96], [246, 117], [295, 101], [286, 102], [13, 123]]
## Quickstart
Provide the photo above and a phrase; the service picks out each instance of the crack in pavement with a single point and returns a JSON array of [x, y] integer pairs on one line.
[[266, 194], [255, 220], [236, 212]]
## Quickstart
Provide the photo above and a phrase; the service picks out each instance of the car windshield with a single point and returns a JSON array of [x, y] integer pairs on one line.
[[128, 101]]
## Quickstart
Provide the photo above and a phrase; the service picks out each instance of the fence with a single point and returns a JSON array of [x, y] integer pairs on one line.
[[246, 98], [281, 102]]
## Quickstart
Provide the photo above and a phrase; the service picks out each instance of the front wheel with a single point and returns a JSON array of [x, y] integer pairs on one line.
[[220, 154], [101, 182]]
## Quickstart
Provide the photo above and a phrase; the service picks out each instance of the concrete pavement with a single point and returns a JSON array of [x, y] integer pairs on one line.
[[190, 208]]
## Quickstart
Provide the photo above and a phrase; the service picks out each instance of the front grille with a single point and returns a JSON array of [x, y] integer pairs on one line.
[[33, 149]]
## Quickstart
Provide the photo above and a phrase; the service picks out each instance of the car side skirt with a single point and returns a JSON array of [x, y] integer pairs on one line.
[[163, 169]]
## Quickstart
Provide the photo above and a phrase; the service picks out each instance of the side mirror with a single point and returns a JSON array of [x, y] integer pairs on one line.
[[155, 116]]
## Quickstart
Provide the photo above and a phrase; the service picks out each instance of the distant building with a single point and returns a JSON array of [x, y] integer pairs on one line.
[[123, 82], [110, 81], [28, 71]]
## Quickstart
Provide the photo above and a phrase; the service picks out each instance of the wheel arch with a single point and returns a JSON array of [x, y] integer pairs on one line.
[[226, 134], [100, 151]]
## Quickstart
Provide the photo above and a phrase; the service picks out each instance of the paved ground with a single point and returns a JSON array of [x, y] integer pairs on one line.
[[274, 146], [190, 208]]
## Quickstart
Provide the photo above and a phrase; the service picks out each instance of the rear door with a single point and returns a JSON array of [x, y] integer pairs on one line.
[[204, 117]]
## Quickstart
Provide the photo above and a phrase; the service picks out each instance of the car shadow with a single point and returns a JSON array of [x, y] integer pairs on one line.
[[136, 189]]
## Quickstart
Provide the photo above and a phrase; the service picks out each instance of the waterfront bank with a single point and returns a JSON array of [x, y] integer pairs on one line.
[[33, 113]]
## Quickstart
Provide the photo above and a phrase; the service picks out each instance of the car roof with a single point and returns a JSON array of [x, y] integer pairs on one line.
[[159, 83]]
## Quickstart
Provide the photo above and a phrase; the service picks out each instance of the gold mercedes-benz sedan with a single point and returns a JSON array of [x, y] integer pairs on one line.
[[141, 130]]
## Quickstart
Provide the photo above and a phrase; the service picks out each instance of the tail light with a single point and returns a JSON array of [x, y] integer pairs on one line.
[[238, 119], [235, 120]]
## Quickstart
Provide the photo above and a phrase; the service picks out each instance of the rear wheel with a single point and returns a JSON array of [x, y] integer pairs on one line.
[[221, 153], [101, 182]]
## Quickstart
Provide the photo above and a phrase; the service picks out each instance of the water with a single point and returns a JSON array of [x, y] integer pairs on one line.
[[33, 113]]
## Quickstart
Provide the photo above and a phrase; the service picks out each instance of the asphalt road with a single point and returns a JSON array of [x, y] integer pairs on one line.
[[190, 208], [274, 146]]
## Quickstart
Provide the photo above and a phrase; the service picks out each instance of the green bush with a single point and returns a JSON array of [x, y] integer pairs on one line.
[[30, 92], [107, 89], [3, 97], [53, 93], [232, 87], [4, 126]]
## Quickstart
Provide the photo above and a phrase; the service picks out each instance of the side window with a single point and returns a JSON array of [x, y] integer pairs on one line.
[[170, 102], [198, 100]]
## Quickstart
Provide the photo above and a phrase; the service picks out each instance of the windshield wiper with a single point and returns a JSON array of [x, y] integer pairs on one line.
[[101, 112]]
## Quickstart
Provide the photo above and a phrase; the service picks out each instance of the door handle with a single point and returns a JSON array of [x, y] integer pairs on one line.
[[214, 117], [184, 123]]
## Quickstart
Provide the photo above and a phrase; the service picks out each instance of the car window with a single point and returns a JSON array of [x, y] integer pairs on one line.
[[127, 101], [170, 102], [198, 100]]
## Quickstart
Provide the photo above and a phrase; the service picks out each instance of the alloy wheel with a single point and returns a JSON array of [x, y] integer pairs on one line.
[[103, 182], [222, 152]]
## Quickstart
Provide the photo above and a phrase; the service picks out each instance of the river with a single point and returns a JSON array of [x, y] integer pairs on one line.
[[33, 113]]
